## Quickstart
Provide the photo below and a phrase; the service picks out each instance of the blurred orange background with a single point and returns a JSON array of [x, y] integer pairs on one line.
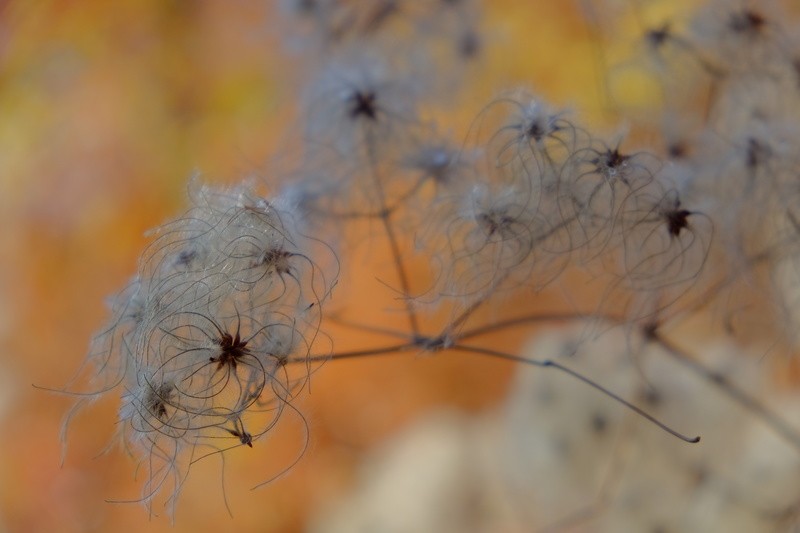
[[106, 110]]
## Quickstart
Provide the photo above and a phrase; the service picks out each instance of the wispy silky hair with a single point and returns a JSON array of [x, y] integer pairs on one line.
[[728, 73], [744, 37], [226, 296], [357, 98]]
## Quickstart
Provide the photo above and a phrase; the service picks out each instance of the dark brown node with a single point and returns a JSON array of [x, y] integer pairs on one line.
[[746, 22], [232, 349], [494, 222], [243, 436], [677, 220], [364, 105], [757, 153], [657, 37], [156, 401], [275, 258]]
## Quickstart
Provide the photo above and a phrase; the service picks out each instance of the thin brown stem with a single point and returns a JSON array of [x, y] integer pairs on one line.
[[383, 350], [385, 217], [780, 426], [545, 363]]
